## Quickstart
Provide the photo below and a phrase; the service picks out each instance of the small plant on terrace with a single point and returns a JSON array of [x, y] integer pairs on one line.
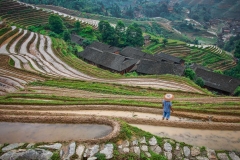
[[101, 156], [189, 73], [55, 156], [131, 74], [203, 148]]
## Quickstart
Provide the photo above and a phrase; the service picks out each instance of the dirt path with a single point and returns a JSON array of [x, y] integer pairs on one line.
[[214, 139], [125, 111], [5, 114]]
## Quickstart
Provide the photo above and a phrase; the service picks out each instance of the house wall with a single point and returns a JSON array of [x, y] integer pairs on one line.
[[129, 69], [117, 52]]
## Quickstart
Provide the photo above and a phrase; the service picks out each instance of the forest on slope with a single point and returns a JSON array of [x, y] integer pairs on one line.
[[203, 10], [210, 9], [130, 9]]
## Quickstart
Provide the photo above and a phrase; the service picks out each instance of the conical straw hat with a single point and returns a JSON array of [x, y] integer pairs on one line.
[[168, 97]]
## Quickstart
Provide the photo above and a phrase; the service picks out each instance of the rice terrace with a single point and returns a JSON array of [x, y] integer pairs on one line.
[[66, 93]]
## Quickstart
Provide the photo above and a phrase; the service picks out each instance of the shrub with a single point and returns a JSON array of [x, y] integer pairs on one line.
[[66, 36], [52, 34], [189, 73], [131, 74], [199, 81], [218, 71], [11, 62], [237, 92], [101, 156], [86, 42], [77, 26], [55, 156], [165, 41], [56, 23]]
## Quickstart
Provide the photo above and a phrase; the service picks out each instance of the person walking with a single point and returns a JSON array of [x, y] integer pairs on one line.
[[167, 106]]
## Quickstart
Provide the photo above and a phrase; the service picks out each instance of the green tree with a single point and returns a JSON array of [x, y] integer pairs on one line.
[[120, 32], [237, 92], [234, 72], [66, 36], [86, 42], [189, 73], [108, 33], [155, 40], [115, 11], [88, 30], [165, 41], [55, 23], [77, 26], [199, 81], [134, 35], [129, 12], [195, 41], [237, 50]]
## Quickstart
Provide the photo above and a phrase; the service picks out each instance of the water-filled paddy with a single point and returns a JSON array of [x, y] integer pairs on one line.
[[40, 132]]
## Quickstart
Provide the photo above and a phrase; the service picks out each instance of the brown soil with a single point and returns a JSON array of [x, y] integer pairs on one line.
[[192, 115]]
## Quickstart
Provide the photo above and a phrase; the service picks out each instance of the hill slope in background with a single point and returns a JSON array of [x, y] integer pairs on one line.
[[121, 9], [217, 8]]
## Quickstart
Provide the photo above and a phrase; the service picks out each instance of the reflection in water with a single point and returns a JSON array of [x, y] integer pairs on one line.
[[37, 132], [214, 139]]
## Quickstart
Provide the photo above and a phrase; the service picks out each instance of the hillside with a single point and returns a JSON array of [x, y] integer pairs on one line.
[[216, 8], [121, 9], [55, 106], [206, 55]]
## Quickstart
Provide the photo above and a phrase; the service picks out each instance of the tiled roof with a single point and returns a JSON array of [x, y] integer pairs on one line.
[[107, 59]]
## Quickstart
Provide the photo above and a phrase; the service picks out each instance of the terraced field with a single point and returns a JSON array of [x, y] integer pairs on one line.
[[40, 81], [24, 15], [37, 58], [36, 54], [208, 55], [36, 65]]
